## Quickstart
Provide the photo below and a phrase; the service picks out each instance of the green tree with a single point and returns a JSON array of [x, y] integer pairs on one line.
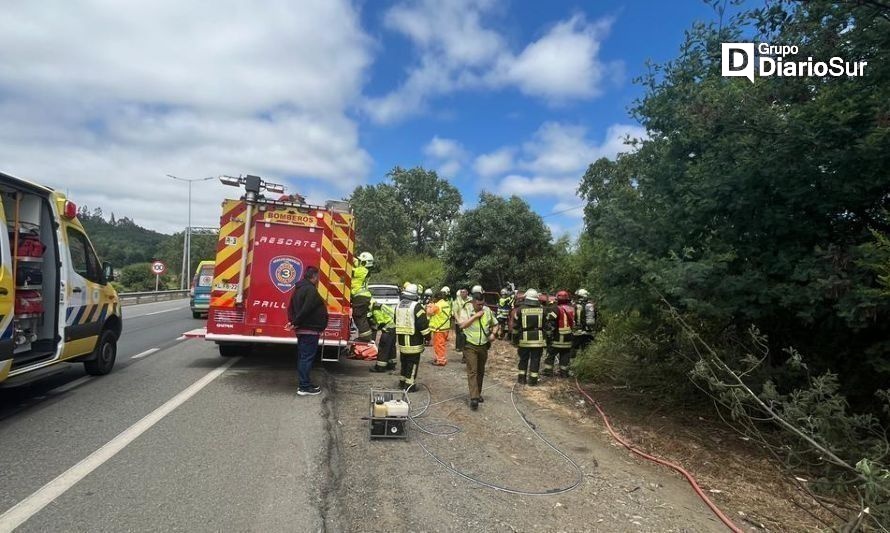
[[139, 278], [759, 203], [381, 222], [485, 246], [413, 211], [430, 205], [428, 271]]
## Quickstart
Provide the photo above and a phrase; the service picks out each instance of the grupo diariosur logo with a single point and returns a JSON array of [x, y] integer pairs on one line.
[[740, 59]]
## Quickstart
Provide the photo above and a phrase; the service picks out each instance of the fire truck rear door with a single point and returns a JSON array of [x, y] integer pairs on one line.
[[281, 253]]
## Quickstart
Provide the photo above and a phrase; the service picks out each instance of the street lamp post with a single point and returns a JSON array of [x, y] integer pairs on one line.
[[188, 230]]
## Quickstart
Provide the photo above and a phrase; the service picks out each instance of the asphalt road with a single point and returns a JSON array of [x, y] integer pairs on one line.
[[177, 438]]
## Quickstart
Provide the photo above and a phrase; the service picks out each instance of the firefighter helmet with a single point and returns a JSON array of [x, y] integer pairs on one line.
[[366, 259], [562, 297], [504, 292], [531, 295], [428, 292], [582, 294], [477, 289], [445, 290], [410, 290]]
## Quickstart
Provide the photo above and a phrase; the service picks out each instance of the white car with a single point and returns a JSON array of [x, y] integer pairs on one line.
[[385, 294]]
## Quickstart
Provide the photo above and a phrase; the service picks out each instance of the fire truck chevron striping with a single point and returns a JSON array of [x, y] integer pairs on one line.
[[284, 237]]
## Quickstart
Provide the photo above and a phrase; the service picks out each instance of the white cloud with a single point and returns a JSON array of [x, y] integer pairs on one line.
[[558, 154], [104, 101], [442, 148], [563, 64], [457, 51], [495, 163], [538, 186], [448, 154]]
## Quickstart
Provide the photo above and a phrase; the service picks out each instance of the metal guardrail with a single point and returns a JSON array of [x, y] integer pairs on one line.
[[133, 298]]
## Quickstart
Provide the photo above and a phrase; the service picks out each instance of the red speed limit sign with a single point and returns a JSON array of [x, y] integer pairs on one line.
[[158, 268]]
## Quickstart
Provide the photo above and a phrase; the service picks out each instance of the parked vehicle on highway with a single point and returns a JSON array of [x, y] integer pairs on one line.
[[254, 277], [200, 292], [56, 300], [386, 294]]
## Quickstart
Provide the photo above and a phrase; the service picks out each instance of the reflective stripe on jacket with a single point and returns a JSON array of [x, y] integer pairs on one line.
[[560, 320], [384, 317], [440, 315], [412, 327], [529, 326], [359, 286], [477, 333]]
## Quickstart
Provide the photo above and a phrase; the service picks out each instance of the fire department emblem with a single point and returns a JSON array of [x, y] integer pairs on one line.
[[285, 271]]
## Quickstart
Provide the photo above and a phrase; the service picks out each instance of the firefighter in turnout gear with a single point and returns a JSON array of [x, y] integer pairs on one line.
[[412, 329], [383, 318], [561, 323], [361, 295], [585, 320], [439, 313], [528, 335], [505, 306]]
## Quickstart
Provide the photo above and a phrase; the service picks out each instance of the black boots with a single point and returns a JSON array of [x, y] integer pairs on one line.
[[532, 381], [378, 368], [474, 404], [520, 379]]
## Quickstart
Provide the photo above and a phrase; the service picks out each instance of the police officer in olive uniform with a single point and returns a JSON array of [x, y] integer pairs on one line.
[[412, 332], [528, 335]]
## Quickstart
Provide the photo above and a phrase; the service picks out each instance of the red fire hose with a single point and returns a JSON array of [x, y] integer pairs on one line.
[[723, 518]]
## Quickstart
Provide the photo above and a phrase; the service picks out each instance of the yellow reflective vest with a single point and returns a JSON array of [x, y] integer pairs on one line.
[[359, 286], [477, 333], [440, 318], [412, 327]]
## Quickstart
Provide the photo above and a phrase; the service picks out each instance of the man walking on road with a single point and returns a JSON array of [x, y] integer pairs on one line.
[[480, 329], [308, 317]]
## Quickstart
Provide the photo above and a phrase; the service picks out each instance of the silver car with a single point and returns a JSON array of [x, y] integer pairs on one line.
[[385, 294]]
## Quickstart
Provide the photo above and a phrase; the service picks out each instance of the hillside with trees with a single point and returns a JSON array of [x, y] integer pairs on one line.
[[130, 248]]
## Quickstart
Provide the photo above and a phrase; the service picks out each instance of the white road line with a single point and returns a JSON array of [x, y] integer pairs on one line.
[[31, 505], [74, 384], [145, 353], [163, 311]]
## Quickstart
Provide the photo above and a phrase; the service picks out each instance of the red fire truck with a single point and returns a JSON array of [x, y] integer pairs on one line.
[[264, 247]]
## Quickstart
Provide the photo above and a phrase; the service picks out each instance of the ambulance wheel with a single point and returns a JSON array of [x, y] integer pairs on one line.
[[196, 314], [105, 354], [233, 350]]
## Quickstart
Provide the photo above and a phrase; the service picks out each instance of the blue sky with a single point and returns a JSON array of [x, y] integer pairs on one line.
[[507, 96]]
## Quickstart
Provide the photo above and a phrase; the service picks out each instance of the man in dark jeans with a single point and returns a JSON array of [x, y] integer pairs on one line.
[[308, 316]]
